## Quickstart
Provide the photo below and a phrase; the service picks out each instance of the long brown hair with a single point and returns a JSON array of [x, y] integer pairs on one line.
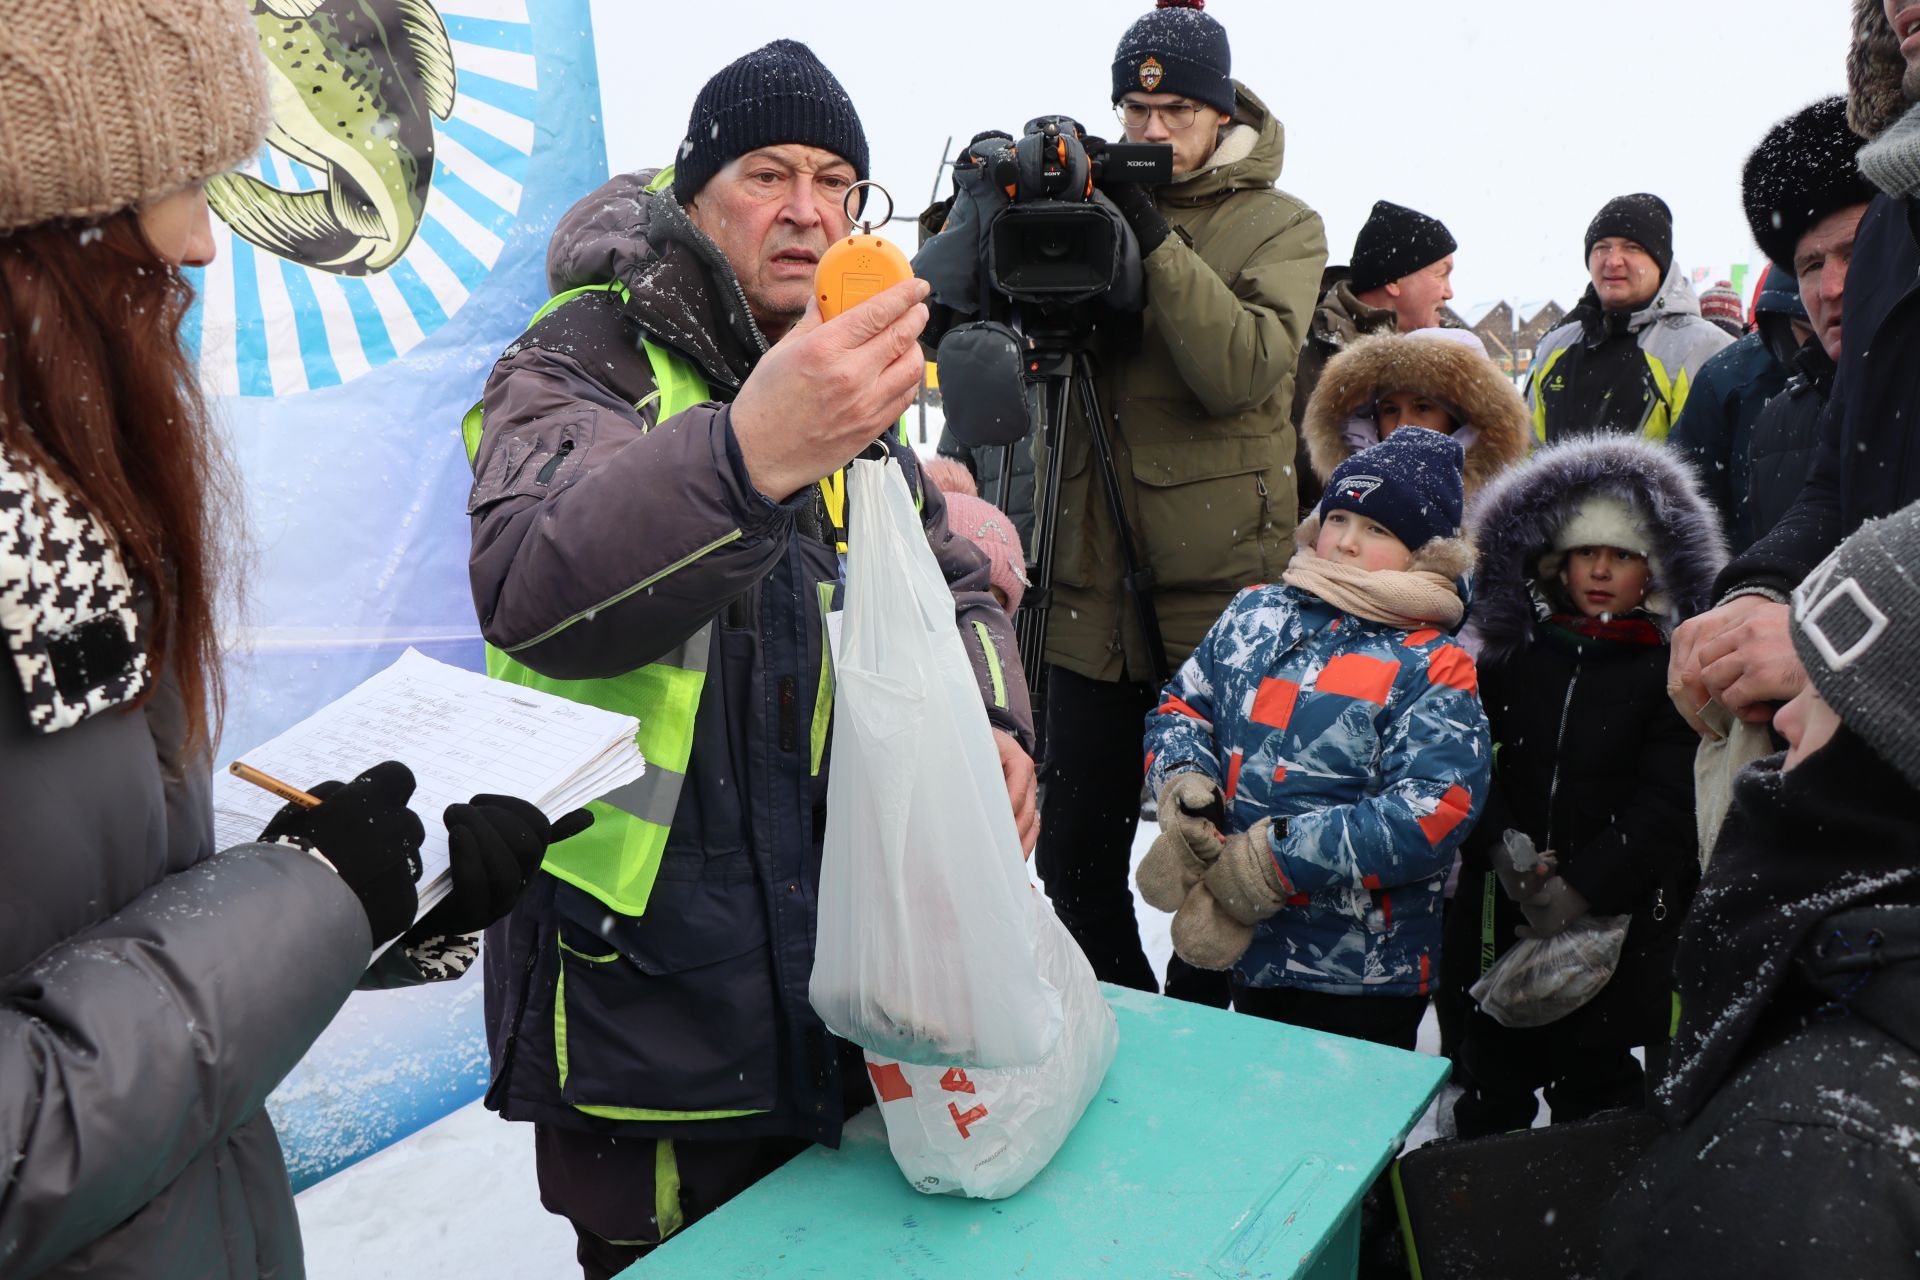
[[96, 388]]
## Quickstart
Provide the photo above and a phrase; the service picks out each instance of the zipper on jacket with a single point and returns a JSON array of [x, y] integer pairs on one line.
[[789, 731], [553, 463], [1553, 787]]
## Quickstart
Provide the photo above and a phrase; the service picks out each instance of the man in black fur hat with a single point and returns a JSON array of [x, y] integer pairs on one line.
[[1867, 461]]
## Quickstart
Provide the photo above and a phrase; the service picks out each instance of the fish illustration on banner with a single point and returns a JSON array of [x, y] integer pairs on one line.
[[374, 258], [355, 87]]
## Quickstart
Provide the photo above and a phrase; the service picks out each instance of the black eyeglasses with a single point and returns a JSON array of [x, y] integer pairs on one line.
[[1134, 115]]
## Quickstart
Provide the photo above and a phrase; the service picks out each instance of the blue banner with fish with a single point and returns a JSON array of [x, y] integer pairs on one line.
[[385, 245]]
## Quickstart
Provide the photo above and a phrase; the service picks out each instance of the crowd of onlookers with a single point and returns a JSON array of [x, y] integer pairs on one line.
[[1586, 717]]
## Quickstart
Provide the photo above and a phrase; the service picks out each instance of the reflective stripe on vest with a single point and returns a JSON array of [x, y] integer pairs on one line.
[[618, 857]]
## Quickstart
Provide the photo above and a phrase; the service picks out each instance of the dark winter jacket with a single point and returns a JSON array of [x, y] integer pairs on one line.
[[1492, 425], [1785, 438], [621, 1023], [1715, 430], [1867, 462], [984, 465], [152, 989], [1593, 762], [1201, 438], [1338, 321], [1791, 1091], [1625, 372]]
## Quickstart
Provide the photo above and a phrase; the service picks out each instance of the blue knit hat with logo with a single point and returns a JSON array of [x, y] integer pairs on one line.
[[1410, 483], [1176, 49], [778, 94]]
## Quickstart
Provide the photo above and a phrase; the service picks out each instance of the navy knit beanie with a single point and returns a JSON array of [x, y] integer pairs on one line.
[[778, 94], [1410, 483], [1394, 243], [1176, 49], [1642, 218]]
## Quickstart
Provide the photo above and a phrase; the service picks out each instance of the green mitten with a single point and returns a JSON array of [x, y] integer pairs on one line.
[[1205, 936], [1244, 879], [1188, 842]]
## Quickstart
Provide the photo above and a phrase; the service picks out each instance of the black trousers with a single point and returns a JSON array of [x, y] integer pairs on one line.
[[1393, 1021], [1584, 1062], [1089, 811]]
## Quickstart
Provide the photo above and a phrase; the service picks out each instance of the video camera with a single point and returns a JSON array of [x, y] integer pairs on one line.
[[1031, 256], [1054, 244]]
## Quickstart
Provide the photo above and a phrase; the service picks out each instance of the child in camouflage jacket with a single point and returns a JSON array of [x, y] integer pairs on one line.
[[1321, 755]]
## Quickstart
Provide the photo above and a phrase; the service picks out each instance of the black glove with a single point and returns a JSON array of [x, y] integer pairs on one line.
[[494, 845], [1135, 203], [366, 831]]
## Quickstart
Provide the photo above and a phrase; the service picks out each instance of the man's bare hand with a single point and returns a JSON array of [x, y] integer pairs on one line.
[[1739, 655], [1022, 788], [829, 388]]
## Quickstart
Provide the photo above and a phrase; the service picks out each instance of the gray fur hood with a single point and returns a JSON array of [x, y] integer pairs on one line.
[[1514, 521]]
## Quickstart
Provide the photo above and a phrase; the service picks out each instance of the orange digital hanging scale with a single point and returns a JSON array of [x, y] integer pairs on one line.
[[860, 266]]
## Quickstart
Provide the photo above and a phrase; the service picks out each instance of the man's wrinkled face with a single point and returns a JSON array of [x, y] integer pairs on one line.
[[773, 212], [1820, 263], [1904, 17], [1417, 298], [1624, 274], [1193, 145]]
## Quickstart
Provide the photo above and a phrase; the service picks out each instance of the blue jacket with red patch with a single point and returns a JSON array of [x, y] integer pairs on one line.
[[1369, 741]]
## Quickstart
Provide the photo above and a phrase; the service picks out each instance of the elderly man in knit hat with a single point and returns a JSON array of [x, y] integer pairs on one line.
[[1203, 441], [1629, 352], [659, 516], [1400, 277]]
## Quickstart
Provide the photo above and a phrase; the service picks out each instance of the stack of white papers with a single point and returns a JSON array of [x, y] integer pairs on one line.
[[461, 733]]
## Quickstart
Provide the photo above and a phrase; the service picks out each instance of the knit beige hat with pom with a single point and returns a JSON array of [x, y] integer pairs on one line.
[[106, 104]]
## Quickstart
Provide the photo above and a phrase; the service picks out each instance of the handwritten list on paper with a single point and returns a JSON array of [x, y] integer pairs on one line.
[[461, 733]]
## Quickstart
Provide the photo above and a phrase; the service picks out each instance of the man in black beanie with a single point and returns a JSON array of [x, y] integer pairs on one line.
[[1627, 356], [1400, 278], [1199, 392], [658, 513]]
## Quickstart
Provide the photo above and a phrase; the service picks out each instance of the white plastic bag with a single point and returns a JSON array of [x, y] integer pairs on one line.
[[926, 943], [1544, 979], [985, 1133]]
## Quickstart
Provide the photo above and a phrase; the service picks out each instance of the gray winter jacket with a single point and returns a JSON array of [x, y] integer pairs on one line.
[[152, 991], [1615, 371]]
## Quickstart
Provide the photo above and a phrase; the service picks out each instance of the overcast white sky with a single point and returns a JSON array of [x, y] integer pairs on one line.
[[1510, 120]]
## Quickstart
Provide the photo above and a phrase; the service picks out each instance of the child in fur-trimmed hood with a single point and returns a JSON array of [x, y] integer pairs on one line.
[[1435, 378], [1590, 555], [1321, 755]]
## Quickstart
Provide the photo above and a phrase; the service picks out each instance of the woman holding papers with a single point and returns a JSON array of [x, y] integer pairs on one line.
[[152, 989]]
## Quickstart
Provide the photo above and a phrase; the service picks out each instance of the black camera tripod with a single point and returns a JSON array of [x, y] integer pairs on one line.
[[1058, 371]]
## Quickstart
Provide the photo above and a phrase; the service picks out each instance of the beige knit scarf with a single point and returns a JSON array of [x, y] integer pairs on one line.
[[1399, 598]]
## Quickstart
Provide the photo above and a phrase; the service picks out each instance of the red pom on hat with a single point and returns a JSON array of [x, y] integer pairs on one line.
[[1180, 4]]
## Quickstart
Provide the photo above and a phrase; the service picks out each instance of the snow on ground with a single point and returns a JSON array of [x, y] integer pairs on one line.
[[459, 1197]]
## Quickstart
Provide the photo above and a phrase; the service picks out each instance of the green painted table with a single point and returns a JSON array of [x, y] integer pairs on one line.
[[1220, 1146]]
